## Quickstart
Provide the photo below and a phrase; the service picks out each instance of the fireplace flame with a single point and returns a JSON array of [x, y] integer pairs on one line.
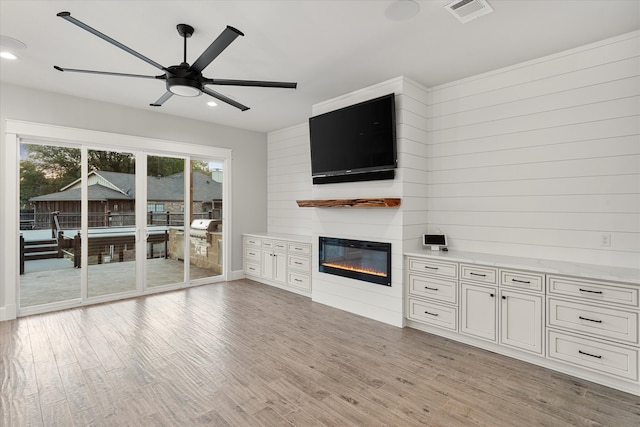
[[349, 267]]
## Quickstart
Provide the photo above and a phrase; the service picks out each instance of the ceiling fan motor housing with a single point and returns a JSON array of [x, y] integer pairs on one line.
[[182, 81]]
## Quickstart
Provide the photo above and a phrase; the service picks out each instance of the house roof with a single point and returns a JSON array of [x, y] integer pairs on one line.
[[97, 193], [121, 186]]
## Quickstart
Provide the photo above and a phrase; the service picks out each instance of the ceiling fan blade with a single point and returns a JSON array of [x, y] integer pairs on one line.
[[223, 98], [224, 39], [67, 16], [252, 83], [162, 99], [108, 73]]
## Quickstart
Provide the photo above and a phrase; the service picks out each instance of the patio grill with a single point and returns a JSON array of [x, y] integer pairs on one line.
[[200, 229]]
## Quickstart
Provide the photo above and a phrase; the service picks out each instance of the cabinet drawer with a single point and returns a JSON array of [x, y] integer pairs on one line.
[[267, 244], [594, 355], [299, 263], [300, 248], [441, 268], [589, 290], [607, 323], [252, 241], [433, 314], [434, 288], [522, 280], [252, 269], [252, 254], [300, 281], [479, 274], [279, 246]]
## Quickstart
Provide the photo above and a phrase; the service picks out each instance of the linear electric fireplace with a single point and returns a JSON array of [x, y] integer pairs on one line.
[[356, 259]]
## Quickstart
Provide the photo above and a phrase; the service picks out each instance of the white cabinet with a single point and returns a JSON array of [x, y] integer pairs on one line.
[[594, 325], [478, 306], [252, 250], [478, 312], [522, 310], [274, 266], [278, 262], [521, 322], [432, 295]]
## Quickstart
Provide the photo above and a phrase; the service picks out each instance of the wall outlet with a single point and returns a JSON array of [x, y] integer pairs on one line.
[[605, 240]]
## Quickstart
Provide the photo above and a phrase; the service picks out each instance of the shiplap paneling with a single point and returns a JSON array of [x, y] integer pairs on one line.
[[288, 179], [542, 158]]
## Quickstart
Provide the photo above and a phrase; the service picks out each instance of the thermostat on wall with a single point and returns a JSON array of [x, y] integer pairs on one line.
[[434, 241]]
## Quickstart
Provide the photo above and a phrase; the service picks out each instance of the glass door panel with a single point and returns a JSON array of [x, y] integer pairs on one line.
[[206, 243], [112, 232], [49, 222], [165, 221]]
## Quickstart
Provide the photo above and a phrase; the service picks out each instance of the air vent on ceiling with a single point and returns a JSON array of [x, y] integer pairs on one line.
[[468, 10]]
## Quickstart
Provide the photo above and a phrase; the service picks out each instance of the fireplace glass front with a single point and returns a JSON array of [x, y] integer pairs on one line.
[[356, 259]]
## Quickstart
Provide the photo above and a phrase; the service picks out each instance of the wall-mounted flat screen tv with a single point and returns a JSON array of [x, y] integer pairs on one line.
[[355, 143]]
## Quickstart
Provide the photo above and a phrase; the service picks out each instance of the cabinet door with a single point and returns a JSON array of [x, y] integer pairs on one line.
[[267, 264], [478, 311], [521, 321], [279, 267]]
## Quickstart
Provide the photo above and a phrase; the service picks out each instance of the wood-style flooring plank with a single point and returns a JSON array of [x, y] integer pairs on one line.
[[246, 354]]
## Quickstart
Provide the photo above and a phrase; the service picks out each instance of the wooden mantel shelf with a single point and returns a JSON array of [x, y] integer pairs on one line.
[[377, 202]]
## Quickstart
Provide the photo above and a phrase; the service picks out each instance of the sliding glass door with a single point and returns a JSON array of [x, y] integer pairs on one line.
[[165, 221], [117, 221], [49, 223], [206, 245], [112, 233]]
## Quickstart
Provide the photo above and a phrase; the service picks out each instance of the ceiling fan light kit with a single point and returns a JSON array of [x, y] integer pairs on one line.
[[183, 79]]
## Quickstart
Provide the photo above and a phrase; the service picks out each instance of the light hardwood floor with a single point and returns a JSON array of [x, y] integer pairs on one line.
[[246, 354]]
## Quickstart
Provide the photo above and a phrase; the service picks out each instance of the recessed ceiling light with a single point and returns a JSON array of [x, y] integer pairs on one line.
[[401, 10], [7, 55], [8, 46], [212, 104]]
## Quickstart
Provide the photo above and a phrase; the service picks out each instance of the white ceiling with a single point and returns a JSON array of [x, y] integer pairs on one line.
[[329, 47]]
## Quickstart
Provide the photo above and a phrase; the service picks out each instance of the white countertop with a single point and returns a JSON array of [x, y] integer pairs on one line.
[[591, 271], [282, 236]]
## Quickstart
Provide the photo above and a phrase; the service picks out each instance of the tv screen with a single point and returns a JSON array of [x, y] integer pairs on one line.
[[354, 143]]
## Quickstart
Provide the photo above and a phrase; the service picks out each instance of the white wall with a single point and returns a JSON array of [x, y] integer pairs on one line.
[[289, 179], [540, 159], [249, 148]]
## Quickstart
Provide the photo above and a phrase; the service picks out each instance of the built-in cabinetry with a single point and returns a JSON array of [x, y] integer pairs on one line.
[[594, 324], [587, 327], [279, 260]]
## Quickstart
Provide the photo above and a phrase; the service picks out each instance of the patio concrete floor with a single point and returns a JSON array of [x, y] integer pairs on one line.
[[55, 280]]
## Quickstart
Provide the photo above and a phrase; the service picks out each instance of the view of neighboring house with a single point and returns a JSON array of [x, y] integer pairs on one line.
[[112, 198]]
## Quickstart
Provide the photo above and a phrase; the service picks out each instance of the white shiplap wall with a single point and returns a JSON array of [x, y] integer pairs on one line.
[[543, 158], [288, 180]]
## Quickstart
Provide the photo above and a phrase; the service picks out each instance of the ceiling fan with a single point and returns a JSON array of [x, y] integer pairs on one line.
[[183, 79]]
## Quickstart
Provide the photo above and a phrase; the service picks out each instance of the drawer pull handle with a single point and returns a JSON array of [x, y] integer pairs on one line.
[[297, 263], [478, 274], [590, 320], [430, 268], [297, 280], [431, 314], [521, 281], [589, 291], [431, 289], [590, 355]]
